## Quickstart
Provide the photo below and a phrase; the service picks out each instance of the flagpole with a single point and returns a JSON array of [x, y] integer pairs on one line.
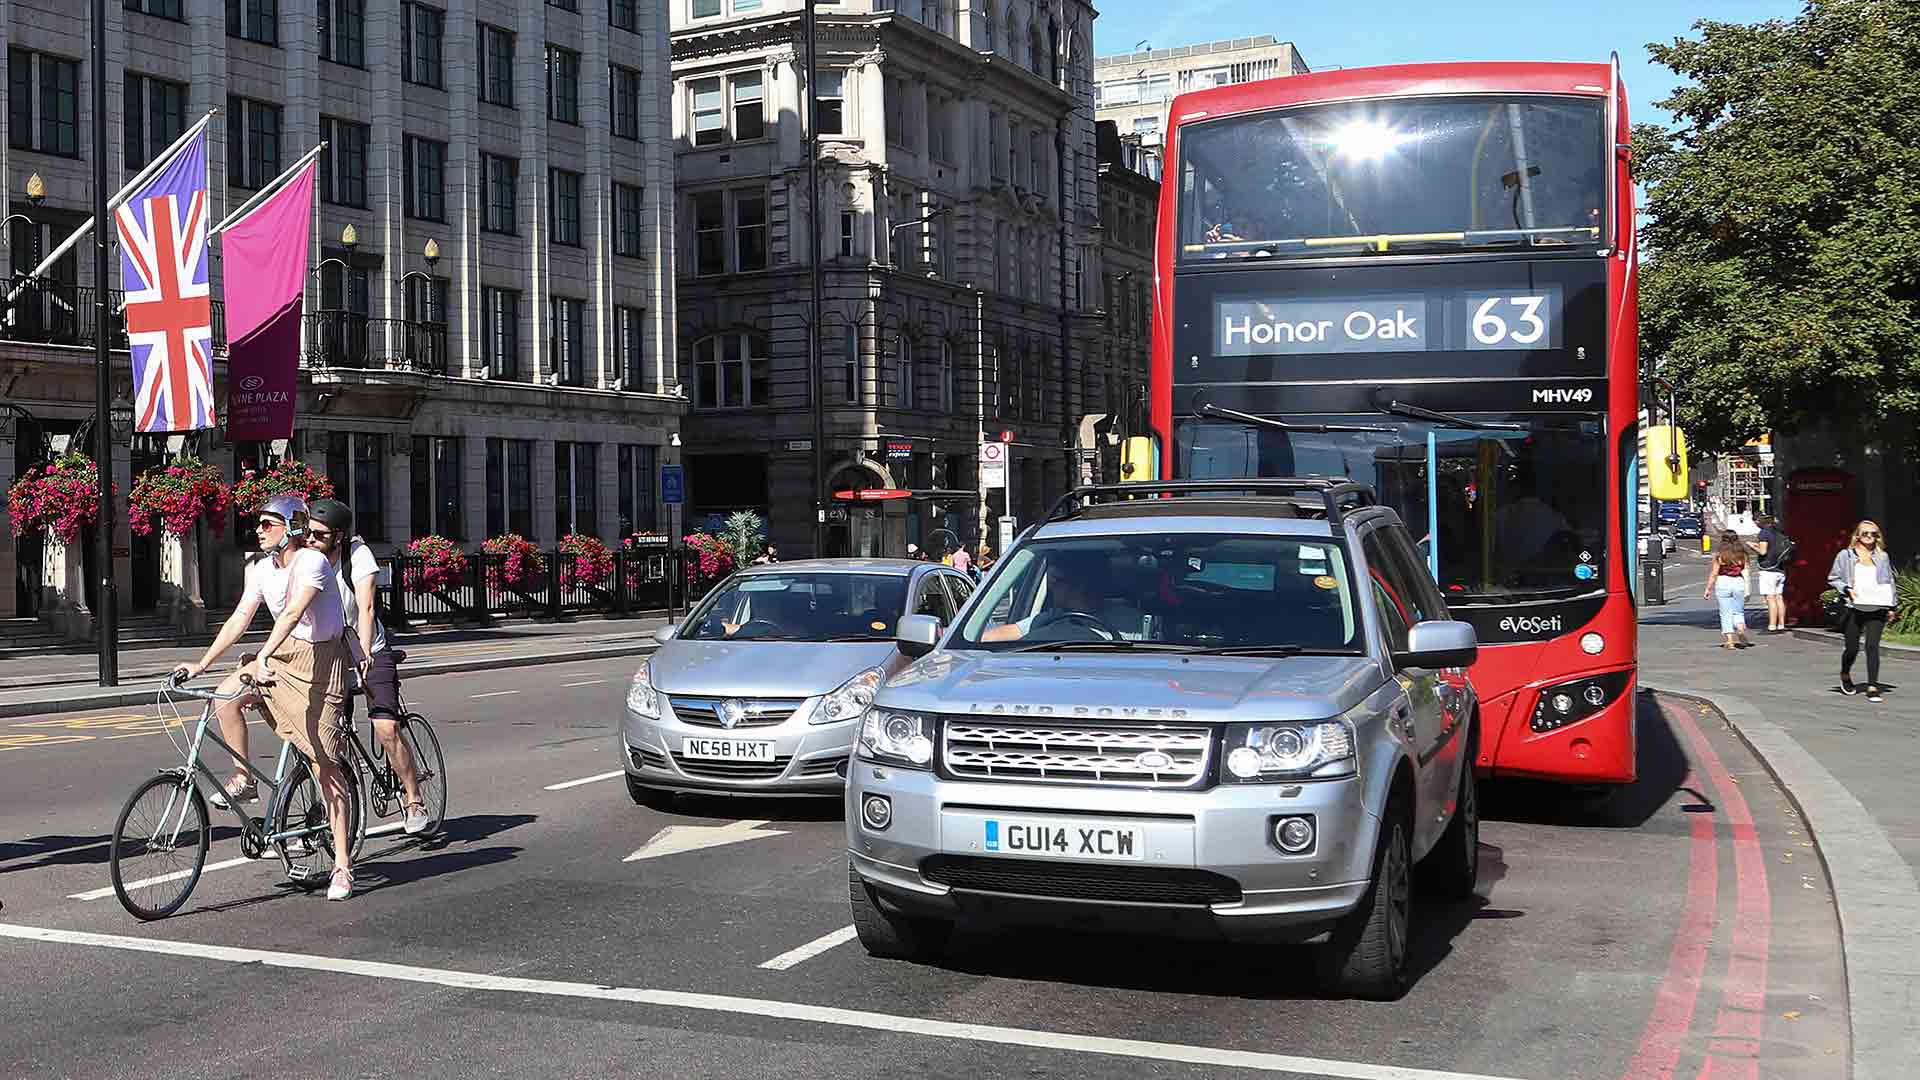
[[106, 600], [85, 227], [264, 193]]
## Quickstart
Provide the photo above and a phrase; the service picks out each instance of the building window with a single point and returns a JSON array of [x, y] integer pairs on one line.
[[563, 85], [156, 114], [501, 176], [566, 334], [749, 119], [161, 9], [58, 84], [509, 487], [939, 129], [436, 483], [637, 504], [500, 337], [565, 207], [576, 479], [848, 223], [624, 15], [995, 161], [253, 142], [833, 104], [850, 365], [496, 65], [358, 470], [948, 397], [426, 300], [343, 32], [254, 20], [629, 238], [343, 164], [423, 32], [1010, 396], [630, 369], [730, 371], [983, 22], [715, 213], [426, 171], [750, 230], [565, 5], [710, 232], [741, 97], [1036, 162], [626, 102], [903, 377]]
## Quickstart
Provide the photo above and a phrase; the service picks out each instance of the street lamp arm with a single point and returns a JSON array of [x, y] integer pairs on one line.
[[940, 213]]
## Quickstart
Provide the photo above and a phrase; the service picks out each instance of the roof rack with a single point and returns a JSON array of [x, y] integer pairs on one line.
[[1338, 496]]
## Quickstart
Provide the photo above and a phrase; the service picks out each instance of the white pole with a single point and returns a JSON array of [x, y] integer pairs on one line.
[[261, 196]]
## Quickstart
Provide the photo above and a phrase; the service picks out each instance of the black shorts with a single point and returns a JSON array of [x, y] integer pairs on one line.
[[383, 687]]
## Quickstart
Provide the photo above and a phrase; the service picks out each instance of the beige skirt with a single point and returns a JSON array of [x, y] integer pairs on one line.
[[307, 700]]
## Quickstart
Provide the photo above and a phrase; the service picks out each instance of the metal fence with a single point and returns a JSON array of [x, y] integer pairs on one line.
[[647, 581]]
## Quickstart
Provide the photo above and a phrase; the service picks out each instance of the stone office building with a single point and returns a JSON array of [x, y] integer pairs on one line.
[[489, 337], [960, 260]]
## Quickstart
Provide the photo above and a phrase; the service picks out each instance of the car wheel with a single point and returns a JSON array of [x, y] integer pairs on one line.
[[1366, 954], [888, 935], [650, 797], [1452, 868]]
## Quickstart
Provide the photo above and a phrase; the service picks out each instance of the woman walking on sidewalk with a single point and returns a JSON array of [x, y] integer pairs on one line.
[[1727, 583], [1863, 574]]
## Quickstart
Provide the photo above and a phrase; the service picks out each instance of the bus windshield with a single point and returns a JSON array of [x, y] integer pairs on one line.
[[1392, 175], [1521, 514]]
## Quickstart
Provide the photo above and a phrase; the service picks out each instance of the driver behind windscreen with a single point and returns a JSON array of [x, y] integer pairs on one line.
[[1075, 608]]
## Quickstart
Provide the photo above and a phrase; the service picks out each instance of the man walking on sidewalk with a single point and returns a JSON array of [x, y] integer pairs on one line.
[[1773, 548]]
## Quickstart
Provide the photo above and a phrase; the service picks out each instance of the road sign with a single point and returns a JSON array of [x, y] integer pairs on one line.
[[799, 444], [993, 465], [1008, 529], [673, 484]]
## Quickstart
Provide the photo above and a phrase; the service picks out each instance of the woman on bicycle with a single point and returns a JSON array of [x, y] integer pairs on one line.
[[330, 532], [300, 676]]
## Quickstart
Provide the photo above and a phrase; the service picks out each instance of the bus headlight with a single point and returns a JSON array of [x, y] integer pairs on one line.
[[1577, 699]]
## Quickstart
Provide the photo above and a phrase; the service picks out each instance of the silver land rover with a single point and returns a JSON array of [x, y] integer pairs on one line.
[[1233, 710]]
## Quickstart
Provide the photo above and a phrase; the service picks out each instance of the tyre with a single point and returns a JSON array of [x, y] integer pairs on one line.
[[650, 797], [309, 859], [888, 935], [1452, 868], [1366, 954], [429, 766], [159, 846]]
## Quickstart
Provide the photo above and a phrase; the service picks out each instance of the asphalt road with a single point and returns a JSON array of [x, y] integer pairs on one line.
[[1630, 938]]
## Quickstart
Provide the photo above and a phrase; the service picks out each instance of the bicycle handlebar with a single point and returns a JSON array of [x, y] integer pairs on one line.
[[174, 684]]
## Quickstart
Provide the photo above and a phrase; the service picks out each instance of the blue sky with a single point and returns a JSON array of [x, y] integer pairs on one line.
[[1356, 33]]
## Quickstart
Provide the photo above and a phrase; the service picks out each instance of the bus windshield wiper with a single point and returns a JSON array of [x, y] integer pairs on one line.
[[1209, 409], [1415, 412]]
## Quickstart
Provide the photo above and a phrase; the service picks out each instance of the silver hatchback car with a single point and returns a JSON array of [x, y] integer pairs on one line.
[[761, 689]]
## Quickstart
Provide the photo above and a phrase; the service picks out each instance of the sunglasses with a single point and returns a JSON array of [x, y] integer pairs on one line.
[[1869, 536], [320, 534], [269, 523]]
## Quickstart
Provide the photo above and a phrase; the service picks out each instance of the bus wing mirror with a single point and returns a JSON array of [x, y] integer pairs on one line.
[[1139, 459], [1667, 463]]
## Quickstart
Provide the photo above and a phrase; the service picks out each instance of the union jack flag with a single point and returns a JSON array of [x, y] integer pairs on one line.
[[163, 267]]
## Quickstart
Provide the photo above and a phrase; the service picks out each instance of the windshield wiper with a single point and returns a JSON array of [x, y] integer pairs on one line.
[[1415, 412], [1272, 650], [876, 636], [1119, 645], [1209, 409]]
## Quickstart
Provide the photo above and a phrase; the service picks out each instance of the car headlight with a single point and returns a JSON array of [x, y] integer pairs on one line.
[[852, 699], [897, 738], [1265, 752], [642, 699]]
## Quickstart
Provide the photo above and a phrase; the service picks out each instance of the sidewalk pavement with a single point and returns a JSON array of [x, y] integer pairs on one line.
[[1850, 766], [63, 682]]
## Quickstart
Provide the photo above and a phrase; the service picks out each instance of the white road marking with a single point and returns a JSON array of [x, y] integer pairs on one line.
[[675, 839], [594, 779], [584, 682], [99, 894], [757, 1008], [495, 693], [810, 950]]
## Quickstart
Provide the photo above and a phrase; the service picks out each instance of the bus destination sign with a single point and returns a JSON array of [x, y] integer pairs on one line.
[[1389, 323]]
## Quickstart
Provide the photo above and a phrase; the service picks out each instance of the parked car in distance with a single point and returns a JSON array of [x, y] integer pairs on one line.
[[760, 690], [1687, 528]]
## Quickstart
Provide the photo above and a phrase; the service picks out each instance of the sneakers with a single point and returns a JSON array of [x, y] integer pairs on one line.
[[236, 791], [342, 885], [1847, 687], [1873, 695], [416, 820]]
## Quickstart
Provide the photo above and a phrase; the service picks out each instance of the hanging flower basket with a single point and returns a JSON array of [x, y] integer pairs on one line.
[[441, 566], [585, 562], [61, 497], [708, 561], [290, 477], [521, 566], [177, 495]]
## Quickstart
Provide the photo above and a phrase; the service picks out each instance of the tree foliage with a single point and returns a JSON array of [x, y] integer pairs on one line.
[[1783, 245]]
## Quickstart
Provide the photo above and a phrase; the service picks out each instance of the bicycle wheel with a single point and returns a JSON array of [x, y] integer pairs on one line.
[[159, 845], [430, 766], [309, 858]]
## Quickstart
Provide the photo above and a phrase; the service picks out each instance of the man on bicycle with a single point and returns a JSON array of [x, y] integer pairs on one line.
[[330, 532], [300, 676]]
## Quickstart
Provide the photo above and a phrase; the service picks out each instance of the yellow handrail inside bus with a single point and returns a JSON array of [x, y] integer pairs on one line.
[[1380, 241]]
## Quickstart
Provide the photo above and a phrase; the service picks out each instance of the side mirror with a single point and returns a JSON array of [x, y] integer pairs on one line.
[[1439, 644], [664, 634], [917, 635]]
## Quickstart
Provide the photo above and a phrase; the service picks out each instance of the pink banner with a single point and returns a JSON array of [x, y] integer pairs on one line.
[[265, 273]]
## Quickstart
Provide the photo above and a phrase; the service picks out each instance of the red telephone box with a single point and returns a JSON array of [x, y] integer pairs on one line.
[[1820, 515]]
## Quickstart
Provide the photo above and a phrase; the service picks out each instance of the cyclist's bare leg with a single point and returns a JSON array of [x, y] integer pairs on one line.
[[401, 755], [333, 791], [233, 722]]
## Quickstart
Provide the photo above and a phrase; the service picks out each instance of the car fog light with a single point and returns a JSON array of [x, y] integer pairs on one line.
[[1244, 762], [1563, 703], [1595, 694], [1293, 834], [919, 749], [1592, 644], [877, 812]]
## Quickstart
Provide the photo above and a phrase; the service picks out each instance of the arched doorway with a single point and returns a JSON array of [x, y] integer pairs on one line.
[[858, 529]]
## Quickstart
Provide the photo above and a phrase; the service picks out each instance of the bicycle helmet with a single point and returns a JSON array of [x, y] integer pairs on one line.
[[334, 514], [291, 509]]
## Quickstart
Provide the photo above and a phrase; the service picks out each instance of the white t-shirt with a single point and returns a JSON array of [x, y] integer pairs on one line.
[[361, 565], [268, 583]]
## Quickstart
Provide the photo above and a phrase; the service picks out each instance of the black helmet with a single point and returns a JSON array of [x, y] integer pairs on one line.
[[333, 514]]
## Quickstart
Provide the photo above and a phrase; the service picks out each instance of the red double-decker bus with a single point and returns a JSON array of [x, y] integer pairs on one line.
[[1422, 277]]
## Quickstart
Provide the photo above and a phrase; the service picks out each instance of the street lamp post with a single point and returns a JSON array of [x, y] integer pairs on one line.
[[107, 639], [814, 372]]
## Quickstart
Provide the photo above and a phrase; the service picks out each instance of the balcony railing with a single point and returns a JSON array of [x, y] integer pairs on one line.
[[348, 339], [55, 313]]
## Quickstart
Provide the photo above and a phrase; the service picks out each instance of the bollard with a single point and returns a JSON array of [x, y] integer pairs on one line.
[[1653, 582]]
